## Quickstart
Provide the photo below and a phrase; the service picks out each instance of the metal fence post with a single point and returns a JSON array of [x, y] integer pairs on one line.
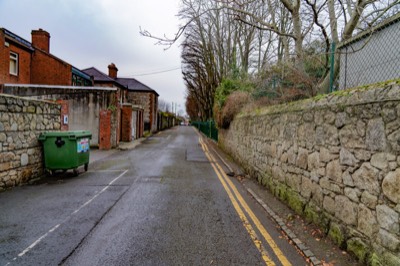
[[332, 66]]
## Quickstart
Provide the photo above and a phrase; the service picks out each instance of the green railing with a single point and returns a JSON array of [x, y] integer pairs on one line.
[[208, 128]]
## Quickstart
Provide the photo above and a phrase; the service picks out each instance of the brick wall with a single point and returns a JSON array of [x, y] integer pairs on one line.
[[333, 159], [21, 122], [105, 130], [126, 125], [48, 69]]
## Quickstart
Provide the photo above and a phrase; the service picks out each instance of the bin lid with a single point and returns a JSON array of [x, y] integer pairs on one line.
[[66, 134]]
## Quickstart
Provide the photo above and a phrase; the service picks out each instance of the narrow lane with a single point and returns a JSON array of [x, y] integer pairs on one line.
[[167, 202]]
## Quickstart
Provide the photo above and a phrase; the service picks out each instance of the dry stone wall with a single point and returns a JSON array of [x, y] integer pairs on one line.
[[334, 159], [21, 122]]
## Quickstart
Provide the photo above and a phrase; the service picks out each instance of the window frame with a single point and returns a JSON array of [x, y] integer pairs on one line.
[[14, 57]]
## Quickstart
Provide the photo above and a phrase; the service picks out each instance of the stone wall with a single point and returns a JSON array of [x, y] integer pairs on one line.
[[21, 122], [83, 105], [334, 159]]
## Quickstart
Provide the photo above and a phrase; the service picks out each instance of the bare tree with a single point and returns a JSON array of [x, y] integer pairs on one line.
[[225, 38]]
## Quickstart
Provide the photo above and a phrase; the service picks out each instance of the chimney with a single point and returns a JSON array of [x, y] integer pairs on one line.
[[41, 40], [112, 71]]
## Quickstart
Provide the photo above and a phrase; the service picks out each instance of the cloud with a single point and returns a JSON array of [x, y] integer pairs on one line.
[[98, 32]]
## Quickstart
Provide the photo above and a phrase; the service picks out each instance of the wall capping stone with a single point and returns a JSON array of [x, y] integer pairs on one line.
[[350, 97]]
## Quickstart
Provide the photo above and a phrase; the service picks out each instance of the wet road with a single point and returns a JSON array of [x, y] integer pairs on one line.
[[167, 202]]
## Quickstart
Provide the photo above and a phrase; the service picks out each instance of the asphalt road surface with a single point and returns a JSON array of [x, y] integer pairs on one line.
[[166, 202]]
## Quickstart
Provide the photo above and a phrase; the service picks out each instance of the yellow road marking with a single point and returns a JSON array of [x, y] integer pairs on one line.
[[245, 206], [242, 216]]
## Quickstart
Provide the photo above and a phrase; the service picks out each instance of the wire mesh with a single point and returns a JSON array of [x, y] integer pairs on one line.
[[371, 57]]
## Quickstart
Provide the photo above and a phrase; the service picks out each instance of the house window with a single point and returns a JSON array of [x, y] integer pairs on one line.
[[13, 63]]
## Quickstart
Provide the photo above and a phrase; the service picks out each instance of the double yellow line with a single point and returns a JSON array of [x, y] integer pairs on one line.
[[241, 208]]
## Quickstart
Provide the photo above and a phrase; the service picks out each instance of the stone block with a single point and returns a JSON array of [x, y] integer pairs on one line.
[[306, 187], [326, 156], [388, 218], [391, 186], [313, 161], [302, 158], [358, 247], [367, 223], [352, 193], [317, 194], [334, 171], [380, 160], [389, 259], [376, 137], [5, 166], [31, 109], [366, 178], [350, 138], [3, 137], [295, 201], [341, 119], [346, 210], [347, 179], [294, 182], [308, 117], [329, 205], [331, 135], [292, 156], [24, 159], [362, 155], [330, 185], [347, 158], [329, 117], [369, 200], [338, 234], [388, 240]]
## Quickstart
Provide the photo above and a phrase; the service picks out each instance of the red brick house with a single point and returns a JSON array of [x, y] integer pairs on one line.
[[24, 62], [28, 69]]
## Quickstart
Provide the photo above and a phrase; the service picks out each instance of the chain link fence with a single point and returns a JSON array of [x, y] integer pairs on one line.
[[370, 57]]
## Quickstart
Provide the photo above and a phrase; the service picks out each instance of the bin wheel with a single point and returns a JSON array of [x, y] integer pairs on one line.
[[86, 167], [75, 172], [51, 172]]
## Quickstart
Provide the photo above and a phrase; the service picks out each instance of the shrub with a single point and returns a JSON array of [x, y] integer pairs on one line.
[[233, 104]]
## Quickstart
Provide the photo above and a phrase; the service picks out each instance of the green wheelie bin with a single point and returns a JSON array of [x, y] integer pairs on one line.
[[66, 150]]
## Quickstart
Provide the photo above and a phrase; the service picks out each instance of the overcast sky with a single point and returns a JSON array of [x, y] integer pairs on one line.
[[88, 33]]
